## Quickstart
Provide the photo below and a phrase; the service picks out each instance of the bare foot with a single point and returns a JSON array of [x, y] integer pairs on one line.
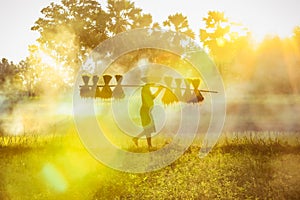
[[135, 140], [151, 148]]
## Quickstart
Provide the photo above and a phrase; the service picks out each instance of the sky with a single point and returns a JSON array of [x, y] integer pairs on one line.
[[261, 17]]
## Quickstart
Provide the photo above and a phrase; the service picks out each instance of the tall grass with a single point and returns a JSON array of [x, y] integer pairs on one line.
[[260, 165]]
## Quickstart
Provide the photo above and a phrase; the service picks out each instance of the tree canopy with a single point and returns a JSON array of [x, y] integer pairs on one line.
[[124, 15], [68, 30], [71, 29], [179, 23], [221, 40]]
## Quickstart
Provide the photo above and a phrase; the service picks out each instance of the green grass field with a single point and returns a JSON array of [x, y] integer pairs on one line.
[[58, 167]]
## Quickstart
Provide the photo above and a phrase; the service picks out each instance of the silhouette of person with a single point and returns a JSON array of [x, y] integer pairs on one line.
[[145, 113]]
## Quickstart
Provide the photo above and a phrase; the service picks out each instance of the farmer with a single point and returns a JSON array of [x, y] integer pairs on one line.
[[145, 112]]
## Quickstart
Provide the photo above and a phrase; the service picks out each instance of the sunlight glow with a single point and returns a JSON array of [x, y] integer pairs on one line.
[[45, 58], [59, 69], [220, 42], [16, 127]]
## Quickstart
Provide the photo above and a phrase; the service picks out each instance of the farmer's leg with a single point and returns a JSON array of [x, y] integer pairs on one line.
[[147, 133], [136, 138], [146, 120], [148, 136]]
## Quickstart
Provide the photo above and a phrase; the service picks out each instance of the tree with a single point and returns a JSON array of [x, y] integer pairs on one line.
[[271, 68], [291, 51], [8, 71], [123, 16], [179, 23], [69, 30], [296, 36], [180, 31], [12, 77], [43, 76], [28, 77], [222, 42]]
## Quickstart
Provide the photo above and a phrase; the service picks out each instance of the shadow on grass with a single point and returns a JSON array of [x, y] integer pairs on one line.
[[271, 148], [242, 169], [2, 188], [8, 155]]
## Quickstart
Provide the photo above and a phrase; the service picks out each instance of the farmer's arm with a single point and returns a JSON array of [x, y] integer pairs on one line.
[[157, 91]]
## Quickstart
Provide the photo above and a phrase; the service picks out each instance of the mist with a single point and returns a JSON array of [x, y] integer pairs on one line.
[[262, 91]]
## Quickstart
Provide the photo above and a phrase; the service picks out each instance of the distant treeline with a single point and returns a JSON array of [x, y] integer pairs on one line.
[[70, 30]]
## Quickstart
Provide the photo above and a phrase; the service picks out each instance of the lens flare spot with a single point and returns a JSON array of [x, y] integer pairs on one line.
[[220, 42], [54, 178]]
